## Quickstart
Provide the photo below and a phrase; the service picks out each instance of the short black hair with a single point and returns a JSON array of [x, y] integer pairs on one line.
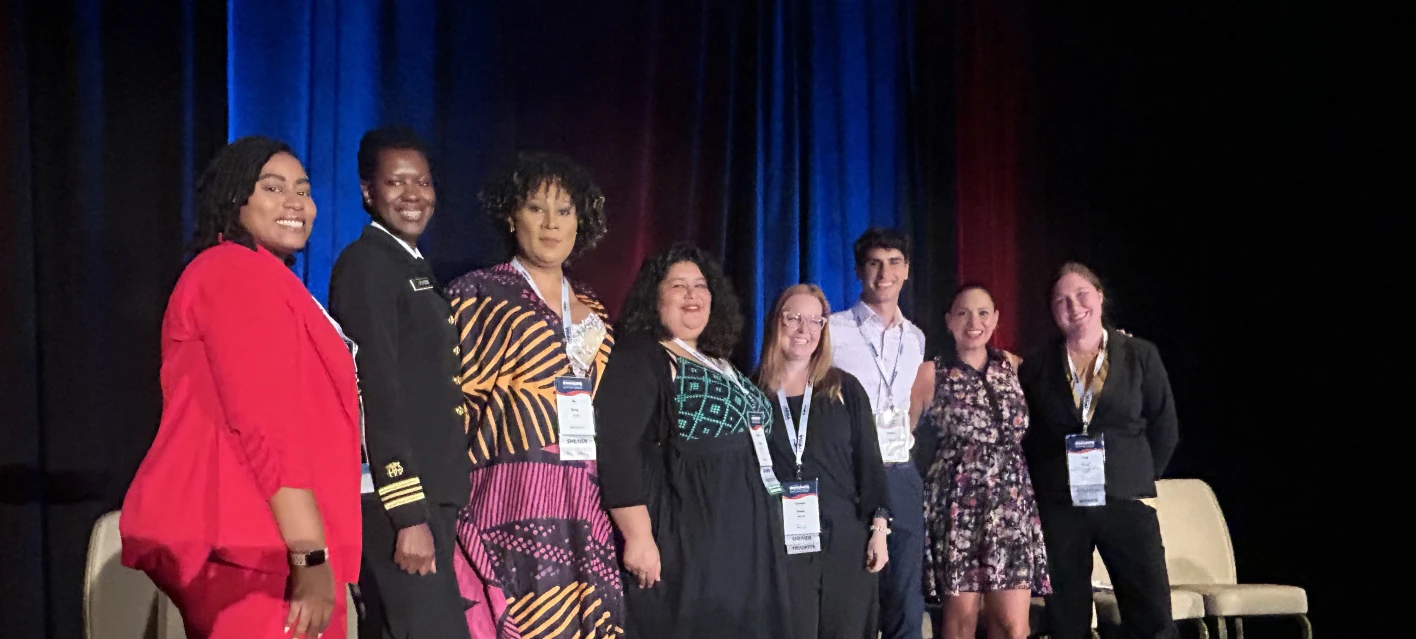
[[640, 314], [226, 185], [376, 141], [506, 191], [880, 238]]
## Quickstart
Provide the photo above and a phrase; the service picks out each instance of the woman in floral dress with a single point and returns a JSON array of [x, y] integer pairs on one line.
[[986, 541]]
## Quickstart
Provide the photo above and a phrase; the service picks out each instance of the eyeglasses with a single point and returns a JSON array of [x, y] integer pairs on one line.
[[794, 320]]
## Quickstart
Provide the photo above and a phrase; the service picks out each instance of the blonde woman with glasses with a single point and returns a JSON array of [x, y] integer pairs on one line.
[[828, 456]]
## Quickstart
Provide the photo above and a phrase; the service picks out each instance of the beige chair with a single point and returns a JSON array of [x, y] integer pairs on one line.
[[1200, 559], [119, 602], [122, 603], [1184, 606]]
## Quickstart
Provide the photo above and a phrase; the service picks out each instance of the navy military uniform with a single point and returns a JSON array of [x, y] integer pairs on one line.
[[384, 296]]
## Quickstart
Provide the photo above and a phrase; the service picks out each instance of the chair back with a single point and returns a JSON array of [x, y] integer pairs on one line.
[[1198, 549], [122, 603], [119, 602], [1197, 545]]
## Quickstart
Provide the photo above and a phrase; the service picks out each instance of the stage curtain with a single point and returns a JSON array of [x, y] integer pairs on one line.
[[771, 133]]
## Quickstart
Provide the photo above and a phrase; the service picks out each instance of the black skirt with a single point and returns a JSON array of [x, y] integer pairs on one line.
[[720, 544]]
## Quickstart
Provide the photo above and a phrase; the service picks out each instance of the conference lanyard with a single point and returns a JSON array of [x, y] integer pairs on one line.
[[1080, 389], [888, 378], [796, 431], [566, 320], [710, 363]]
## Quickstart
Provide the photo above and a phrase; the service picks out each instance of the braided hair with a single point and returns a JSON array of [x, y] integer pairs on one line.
[[225, 186]]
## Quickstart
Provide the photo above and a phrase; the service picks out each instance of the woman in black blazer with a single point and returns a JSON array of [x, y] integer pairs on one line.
[[1099, 388]]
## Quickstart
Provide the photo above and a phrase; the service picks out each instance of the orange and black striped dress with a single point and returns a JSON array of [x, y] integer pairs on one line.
[[537, 553]]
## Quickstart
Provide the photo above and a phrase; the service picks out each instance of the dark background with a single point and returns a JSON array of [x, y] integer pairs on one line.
[[1232, 172]]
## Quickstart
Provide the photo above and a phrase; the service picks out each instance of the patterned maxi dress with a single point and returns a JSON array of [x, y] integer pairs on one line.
[[979, 507], [538, 557]]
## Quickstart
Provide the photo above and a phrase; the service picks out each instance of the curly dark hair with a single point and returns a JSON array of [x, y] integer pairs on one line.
[[224, 188], [640, 315], [511, 184], [376, 141]]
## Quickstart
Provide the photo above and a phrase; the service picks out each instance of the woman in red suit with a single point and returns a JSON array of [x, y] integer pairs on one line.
[[246, 509]]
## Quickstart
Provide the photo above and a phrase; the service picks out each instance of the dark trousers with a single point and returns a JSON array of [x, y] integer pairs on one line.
[[833, 595], [1127, 534], [902, 581], [398, 605]]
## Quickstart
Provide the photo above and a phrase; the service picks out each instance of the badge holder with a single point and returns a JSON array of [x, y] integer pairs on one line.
[[756, 425], [801, 517], [576, 416], [1086, 469], [892, 426]]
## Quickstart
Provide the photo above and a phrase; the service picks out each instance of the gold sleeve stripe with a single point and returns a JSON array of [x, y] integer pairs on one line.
[[403, 502], [399, 485], [399, 494]]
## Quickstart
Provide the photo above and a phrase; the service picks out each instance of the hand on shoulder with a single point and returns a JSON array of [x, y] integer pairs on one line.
[[1013, 359]]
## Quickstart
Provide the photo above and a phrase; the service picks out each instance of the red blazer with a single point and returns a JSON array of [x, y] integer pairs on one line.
[[258, 392]]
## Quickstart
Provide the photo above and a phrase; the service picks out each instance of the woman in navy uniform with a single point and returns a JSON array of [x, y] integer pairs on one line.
[[383, 293]]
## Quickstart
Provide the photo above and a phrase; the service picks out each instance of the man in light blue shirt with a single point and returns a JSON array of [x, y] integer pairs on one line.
[[874, 342]]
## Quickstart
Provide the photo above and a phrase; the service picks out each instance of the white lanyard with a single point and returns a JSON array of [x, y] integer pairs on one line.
[[796, 431], [889, 378], [566, 320], [358, 388], [704, 360], [1086, 391]]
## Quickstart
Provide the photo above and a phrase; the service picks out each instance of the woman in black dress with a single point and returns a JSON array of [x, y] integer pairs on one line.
[[828, 452], [686, 477]]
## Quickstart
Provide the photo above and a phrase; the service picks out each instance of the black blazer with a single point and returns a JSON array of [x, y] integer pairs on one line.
[[388, 303], [1135, 410]]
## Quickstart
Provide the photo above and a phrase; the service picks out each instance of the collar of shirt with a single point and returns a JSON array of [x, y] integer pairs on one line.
[[864, 314], [412, 250], [958, 362], [851, 354]]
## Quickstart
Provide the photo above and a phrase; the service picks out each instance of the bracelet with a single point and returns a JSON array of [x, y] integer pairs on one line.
[[885, 529]]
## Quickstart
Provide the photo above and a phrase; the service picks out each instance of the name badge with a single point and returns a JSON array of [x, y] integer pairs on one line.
[[366, 481], [757, 428], [801, 517], [1086, 469], [421, 283], [892, 427], [575, 414]]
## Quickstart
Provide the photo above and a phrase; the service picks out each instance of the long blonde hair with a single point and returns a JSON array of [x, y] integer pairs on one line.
[[824, 379]]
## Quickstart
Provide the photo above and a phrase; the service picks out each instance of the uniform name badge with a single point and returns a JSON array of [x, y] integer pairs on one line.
[[575, 414], [891, 425], [801, 517], [1086, 469], [757, 428]]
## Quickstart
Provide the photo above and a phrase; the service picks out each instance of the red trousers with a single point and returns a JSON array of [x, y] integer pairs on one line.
[[231, 602]]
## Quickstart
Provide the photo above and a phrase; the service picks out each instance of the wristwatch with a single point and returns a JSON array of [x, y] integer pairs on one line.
[[309, 559]]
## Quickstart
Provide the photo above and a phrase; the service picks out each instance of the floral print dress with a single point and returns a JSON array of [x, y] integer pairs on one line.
[[979, 507]]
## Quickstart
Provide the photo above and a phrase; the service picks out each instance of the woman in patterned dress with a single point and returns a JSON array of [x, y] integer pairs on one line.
[[986, 538], [537, 558], [686, 477]]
